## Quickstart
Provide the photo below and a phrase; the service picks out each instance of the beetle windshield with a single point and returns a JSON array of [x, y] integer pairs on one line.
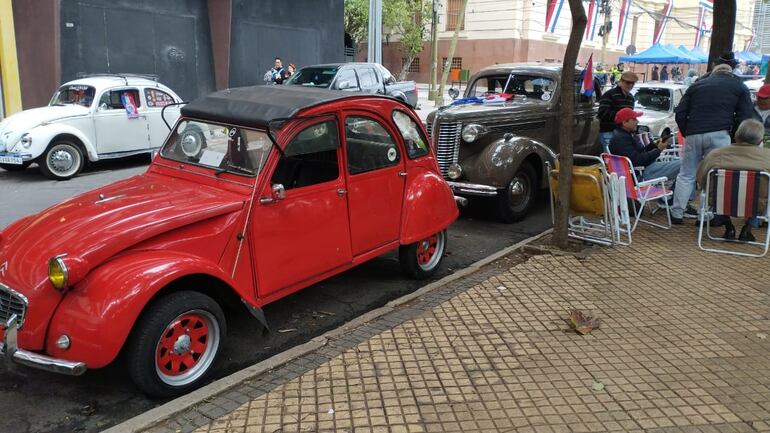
[[531, 86], [653, 99], [313, 77], [78, 94], [224, 148]]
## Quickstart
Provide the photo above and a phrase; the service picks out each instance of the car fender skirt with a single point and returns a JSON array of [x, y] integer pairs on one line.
[[429, 206], [99, 313]]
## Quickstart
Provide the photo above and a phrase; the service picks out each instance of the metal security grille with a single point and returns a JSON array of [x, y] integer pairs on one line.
[[448, 145], [11, 303]]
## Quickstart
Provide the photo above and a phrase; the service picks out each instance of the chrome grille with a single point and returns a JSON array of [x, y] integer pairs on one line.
[[429, 127], [11, 302], [448, 145]]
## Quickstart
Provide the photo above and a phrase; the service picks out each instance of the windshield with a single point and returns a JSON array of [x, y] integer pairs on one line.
[[74, 94], [222, 147], [313, 77], [531, 86], [655, 99]]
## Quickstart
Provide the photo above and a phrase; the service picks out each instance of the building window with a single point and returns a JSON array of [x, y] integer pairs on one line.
[[414, 67], [452, 14], [457, 63]]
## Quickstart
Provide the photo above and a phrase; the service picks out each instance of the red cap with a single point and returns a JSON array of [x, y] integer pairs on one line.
[[625, 114], [764, 91]]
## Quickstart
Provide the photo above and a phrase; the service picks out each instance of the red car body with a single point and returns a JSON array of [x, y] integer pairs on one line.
[[190, 227]]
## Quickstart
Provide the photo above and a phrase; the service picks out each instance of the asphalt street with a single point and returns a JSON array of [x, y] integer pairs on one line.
[[102, 398]]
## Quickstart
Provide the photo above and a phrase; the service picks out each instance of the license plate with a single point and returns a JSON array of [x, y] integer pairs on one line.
[[7, 159]]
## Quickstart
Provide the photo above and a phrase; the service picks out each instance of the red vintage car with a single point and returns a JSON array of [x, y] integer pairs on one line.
[[257, 193]]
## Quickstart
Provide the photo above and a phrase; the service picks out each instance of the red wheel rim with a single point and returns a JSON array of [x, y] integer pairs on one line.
[[426, 249], [182, 344]]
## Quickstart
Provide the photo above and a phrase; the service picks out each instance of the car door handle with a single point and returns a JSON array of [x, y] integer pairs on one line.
[[402, 173], [341, 191]]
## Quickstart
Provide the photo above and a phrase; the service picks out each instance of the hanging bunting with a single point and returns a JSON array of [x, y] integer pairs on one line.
[[749, 42], [552, 14], [591, 19], [625, 9], [595, 22], [705, 5], [661, 28]]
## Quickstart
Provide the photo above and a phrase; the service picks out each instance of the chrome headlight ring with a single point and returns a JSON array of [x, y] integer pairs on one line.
[[26, 140], [472, 131]]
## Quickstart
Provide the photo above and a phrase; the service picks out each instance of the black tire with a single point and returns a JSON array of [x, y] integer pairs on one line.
[[167, 321], [515, 201], [15, 167], [418, 261], [62, 160]]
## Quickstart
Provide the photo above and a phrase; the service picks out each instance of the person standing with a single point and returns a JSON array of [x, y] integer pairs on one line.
[[611, 102], [706, 115], [290, 70], [276, 74], [655, 76], [664, 73]]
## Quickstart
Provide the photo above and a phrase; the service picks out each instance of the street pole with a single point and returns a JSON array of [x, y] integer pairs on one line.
[[606, 9], [374, 54], [433, 52]]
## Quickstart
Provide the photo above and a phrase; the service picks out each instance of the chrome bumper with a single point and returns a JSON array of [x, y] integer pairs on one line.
[[10, 350], [461, 201], [473, 189]]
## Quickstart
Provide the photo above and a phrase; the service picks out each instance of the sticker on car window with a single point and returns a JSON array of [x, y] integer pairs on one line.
[[546, 96], [392, 154], [211, 158]]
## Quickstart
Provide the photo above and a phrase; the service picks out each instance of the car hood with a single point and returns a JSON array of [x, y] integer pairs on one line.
[[101, 223], [653, 116], [17, 124], [479, 110]]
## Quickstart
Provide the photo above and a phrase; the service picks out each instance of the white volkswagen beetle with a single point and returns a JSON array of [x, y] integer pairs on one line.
[[658, 101], [89, 119]]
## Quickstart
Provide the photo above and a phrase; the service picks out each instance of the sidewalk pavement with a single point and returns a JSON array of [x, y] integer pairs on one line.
[[682, 347]]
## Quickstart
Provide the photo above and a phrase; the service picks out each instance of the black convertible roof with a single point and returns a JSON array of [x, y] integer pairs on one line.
[[257, 106]]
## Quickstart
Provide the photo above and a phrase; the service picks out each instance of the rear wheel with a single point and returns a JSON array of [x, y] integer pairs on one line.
[[175, 343], [515, 201], [421, 259], [61, 161]]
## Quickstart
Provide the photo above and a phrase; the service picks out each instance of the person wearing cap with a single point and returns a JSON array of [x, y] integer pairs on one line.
[[611, 102], [762, 111], [626, 142], [705, 116]]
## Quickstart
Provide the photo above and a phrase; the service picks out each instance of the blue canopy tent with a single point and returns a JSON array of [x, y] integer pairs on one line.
[[699, 53], [655, 54], [747, 57], [684, 54]]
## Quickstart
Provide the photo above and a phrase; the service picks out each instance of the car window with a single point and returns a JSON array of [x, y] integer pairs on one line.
[[370, 146], [387, 77], [310, 157], [116, 99], [348, 75], [157, 97], [652, 98], [368, 77], [74, 94], [531, 86], [416, 144], [228, 148], [313, 77]]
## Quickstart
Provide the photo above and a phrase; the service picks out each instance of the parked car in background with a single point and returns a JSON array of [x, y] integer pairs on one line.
[[658, 101], [290, 187], [89, 119], [497, 145], [754, 86], [371, 78]]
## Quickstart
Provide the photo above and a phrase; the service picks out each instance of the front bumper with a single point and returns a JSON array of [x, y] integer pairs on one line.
[[466, 188], [10, 350], [14, 158]]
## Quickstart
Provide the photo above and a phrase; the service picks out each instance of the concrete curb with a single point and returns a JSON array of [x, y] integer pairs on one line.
[[165, 411]]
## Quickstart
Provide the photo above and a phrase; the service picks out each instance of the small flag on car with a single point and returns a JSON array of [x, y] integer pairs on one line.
[[587, 78]]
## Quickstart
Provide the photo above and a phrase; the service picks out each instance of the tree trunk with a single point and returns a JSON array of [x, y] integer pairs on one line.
[[567, 110], [405, 69], [445, 74], [724, 29]]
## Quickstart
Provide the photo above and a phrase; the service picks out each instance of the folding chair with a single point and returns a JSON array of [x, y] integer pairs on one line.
[[642, 192], [735, 193], [598, 209]]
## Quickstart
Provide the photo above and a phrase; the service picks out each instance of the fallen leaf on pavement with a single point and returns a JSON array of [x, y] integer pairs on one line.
[[597, 386], [582, 323]]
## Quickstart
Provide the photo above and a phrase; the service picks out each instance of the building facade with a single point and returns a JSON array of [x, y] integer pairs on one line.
[[193, 46]]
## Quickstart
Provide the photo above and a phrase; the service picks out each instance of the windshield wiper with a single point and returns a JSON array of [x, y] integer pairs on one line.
[[229, 166]]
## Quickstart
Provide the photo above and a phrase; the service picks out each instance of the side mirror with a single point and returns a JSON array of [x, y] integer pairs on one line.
[[453, 93], [343, 84], [279, 192]]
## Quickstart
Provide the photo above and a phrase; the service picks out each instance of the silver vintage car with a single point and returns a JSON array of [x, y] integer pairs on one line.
[[496, 140]]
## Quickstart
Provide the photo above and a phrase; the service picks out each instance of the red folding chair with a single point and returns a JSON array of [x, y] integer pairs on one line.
[[739, 194], [642, 192]]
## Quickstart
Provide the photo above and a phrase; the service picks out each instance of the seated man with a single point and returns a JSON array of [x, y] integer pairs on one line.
[[746, 153], [625, 142]]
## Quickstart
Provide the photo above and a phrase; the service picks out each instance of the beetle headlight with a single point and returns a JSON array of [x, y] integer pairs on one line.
[[57, 272], [26, 140], [472, 131]]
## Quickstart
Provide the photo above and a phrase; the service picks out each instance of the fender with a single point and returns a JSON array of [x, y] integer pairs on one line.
[[500, 159], [401, 96], [100, 312], [428, 203], [42, 136]]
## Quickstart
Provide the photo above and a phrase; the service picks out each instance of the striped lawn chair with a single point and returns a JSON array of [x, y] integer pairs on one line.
[[642, 192], [598, 209], [739, 194]]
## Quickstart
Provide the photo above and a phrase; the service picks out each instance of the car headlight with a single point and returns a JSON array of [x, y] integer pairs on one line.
[[57, 272], [472, 131], [454, 171], [26, 140]]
